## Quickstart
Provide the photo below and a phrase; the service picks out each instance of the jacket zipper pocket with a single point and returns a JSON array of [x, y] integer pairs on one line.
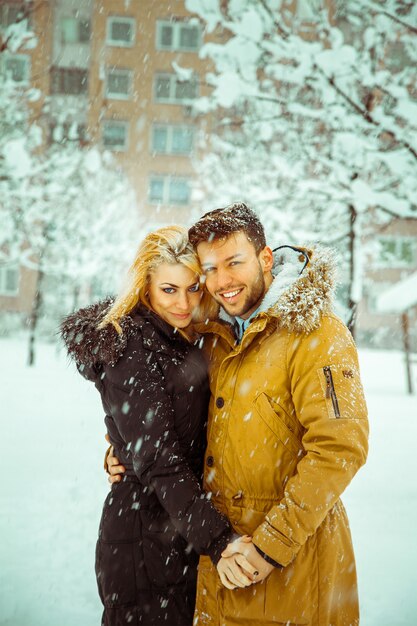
[[330, 390]]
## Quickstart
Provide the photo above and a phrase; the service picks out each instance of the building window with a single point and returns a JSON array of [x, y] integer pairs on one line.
[[179, 191], [69, 80], [74, 30], [15, 67], [168, 88], [156, 190], [115, 135], [170, 139], [118, 83], [396, 252], [9, 280], [169, 190], [121, 31], [178, 36]]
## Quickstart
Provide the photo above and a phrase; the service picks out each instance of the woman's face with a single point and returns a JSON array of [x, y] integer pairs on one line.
[[174, 293]]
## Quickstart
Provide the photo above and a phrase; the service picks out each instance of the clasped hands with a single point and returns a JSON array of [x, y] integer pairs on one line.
[[240, 565]]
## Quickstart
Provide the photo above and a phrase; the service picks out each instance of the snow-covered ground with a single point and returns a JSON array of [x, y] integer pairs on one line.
[[52, 488]]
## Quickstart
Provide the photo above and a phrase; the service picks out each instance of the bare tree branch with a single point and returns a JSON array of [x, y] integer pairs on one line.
[[373, 5], [364, 113]]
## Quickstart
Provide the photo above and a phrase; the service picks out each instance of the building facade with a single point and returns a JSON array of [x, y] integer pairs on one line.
[[114, 78]]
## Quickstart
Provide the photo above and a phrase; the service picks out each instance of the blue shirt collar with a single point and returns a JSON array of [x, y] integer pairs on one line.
[[241, 325]]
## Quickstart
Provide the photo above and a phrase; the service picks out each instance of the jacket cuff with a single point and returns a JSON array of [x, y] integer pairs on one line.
[[271, 541], [268, 558], [219, 544]]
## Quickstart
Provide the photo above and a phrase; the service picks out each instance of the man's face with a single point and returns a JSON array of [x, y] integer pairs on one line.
[[236, 276]]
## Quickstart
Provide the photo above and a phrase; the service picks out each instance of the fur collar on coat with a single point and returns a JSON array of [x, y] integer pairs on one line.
[[88, 345]]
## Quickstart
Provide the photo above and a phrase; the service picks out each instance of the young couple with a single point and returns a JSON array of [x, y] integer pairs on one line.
[[213, 323]]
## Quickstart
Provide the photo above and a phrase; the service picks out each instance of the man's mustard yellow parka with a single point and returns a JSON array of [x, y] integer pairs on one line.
[[287, 432]]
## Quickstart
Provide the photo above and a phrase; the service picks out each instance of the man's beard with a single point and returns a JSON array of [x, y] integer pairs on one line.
[[253, 297]]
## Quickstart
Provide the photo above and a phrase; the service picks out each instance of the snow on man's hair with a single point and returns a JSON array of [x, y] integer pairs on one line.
[[221, 223]]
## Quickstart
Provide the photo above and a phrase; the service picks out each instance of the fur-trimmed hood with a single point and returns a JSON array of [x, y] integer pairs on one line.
[[90, 346], [302, 290]]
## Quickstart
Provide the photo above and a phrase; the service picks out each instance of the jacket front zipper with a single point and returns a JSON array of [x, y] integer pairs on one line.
[[330, 390]]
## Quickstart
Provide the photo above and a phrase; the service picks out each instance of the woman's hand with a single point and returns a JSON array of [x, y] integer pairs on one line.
[[234, 568], [236, 571], [112, 465], [245, 548]]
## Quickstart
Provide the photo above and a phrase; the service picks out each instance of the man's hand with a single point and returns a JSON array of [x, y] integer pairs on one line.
[[252, 555], [111, 463]]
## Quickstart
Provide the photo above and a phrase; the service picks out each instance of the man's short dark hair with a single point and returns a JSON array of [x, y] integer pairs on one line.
[[221, 223]]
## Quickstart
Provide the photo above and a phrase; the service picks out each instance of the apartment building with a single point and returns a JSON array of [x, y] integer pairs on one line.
[[113, 83], [107, 69]]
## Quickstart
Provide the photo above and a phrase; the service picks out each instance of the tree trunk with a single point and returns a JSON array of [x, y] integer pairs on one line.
[[407, 351], [352, 304], [34, 317]]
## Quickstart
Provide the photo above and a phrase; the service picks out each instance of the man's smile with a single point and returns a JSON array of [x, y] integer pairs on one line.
[[231, 295]]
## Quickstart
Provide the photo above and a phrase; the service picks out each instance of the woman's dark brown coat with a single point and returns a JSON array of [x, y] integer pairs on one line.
[[154, 390]]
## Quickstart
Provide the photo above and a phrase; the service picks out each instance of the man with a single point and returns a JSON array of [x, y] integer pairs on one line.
[[287, 428]]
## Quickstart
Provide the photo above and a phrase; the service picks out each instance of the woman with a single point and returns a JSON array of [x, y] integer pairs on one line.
[[152, 378]]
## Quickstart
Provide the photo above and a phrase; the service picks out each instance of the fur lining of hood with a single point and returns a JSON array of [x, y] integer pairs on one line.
[[90, 346], [299, 296]]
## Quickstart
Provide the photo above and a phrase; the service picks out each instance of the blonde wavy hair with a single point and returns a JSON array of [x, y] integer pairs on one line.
[[165, 245]]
